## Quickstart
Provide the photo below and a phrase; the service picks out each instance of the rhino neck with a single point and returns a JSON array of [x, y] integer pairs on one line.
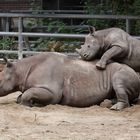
[[101, 40], [23, 71]]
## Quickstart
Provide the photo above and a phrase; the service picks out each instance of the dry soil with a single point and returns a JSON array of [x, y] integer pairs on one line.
[[56, 122]]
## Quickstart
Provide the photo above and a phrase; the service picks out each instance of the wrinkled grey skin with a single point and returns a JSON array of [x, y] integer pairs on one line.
[[53, 78], [111, 44]]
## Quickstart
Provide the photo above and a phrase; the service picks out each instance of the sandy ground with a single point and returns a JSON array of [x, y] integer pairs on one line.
[[56, 122]]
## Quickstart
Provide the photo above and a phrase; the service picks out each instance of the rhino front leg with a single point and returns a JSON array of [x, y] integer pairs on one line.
[[37, 97], [108, 55]]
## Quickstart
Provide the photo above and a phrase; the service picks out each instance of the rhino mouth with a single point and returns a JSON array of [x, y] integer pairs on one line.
[[84, 55]]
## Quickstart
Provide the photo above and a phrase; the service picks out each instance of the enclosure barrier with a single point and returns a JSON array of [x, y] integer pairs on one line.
[[20, 34]]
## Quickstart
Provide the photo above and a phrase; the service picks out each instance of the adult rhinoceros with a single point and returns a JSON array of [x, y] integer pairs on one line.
[[111, 44], [53, 78]]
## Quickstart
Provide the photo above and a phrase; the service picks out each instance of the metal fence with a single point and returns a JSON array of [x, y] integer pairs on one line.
[[20, 34]]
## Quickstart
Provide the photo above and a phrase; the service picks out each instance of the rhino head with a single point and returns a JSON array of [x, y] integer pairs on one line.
[[91, 47], [8, 79]]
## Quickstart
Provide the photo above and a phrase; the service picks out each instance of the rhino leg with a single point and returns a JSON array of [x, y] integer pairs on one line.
[[122, 98], [126, 86], [37, 97], [108, 55]]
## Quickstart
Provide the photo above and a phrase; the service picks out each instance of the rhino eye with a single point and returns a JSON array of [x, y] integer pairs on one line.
[[88, 46]]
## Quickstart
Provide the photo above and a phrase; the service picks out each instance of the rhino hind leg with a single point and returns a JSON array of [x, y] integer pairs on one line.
[[126, 86], [37, 97], [122, 96]]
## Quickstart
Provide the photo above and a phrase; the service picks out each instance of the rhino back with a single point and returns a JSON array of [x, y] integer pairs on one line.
[[84, 85], [131, 46], [133, 57]]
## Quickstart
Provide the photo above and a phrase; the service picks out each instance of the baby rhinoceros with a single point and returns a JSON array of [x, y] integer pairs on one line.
[[54, 78], [112, 44]]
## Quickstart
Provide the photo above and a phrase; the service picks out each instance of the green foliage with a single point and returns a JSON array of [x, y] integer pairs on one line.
[[114, 7], [96, 7], [6, 43], [135, 28], [34, 5], [56, 26], [43, 44], [136, 8], [33, 22]]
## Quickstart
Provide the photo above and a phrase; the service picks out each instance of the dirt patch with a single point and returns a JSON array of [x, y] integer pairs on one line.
[[56, 122]]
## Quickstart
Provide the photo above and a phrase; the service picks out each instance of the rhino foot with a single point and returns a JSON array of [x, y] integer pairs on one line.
[[101, 65], [19, 99], [119, 106]]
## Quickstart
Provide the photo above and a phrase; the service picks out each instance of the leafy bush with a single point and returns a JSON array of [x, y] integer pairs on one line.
[[114, 7], [6, 43]]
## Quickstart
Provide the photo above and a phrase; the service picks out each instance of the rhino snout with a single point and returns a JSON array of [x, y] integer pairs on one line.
[[83, 54]]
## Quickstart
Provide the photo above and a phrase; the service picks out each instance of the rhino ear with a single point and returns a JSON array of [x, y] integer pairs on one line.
[[5, 59], [8, 63], [91, 30]]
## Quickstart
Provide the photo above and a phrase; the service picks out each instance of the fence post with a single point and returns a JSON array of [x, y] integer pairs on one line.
[[127, 26], [7, 24], [20, 38]]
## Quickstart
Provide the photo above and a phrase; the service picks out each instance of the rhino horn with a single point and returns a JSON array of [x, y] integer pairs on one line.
[[91, 30], [78, 50]]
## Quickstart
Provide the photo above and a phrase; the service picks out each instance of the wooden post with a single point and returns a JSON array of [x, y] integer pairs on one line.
[[20, 38]]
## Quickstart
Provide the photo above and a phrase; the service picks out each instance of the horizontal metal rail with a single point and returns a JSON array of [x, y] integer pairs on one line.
[[48, 11], [43, 35], [77, 16], [32, 52], [48, 35]]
